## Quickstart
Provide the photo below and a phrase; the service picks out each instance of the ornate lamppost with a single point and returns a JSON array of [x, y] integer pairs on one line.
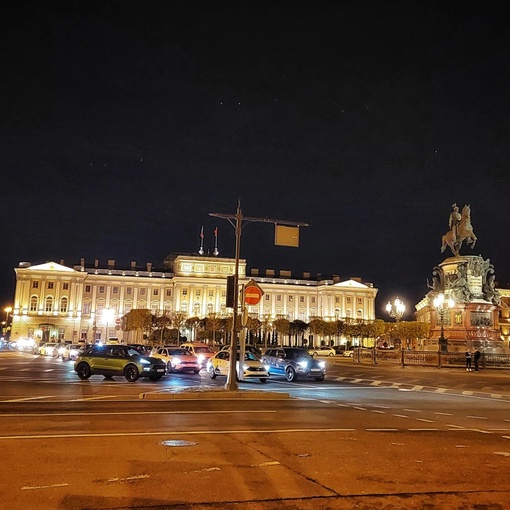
[[442, 306], [396, 310], [107, 318]]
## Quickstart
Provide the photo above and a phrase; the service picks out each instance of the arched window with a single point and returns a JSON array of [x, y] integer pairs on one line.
[[184, 306], [33, 303], [63, 305], [359, 314], [48, 305], [196, 308], [210, 308]]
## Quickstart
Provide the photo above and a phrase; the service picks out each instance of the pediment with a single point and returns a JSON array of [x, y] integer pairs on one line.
[[51, 266]]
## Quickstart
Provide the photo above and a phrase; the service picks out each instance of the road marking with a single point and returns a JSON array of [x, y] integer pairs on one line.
[[423, 430], [381, 430], [425, 420], [174, 433], [377, 411], [140, 413], [359, 408], [443, 414], [401, 416], [31, 488], [412, 410], [478, 417], [505, 454], [456, 426]]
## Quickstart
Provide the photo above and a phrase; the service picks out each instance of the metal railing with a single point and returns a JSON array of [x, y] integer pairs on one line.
[[426, 358]]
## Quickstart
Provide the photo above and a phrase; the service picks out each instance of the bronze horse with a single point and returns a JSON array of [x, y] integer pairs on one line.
[[464, 233]]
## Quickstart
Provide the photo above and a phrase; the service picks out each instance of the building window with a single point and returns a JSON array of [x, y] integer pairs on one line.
[[278, 297], [127, 307], [100, 308], [65, 286], [291, 298], [101, 289], [129, 291], [115, 290], [211, 293], [50, 285], [33, 304], [360, 301], [143, 291], [197, 292], [87, 288], [348, 299], [63, 305], [210, 308], [184, 306], [301, 299], [155, 292], [35, 285], [223, 293], [168, 292], [312, 299], [48, 305], [337, 299], [86, 308], [184, 292], [359, 313], [267, 297]]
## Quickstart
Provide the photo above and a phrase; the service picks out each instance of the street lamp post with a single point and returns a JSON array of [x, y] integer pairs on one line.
[[107, 317], [7, 310], [396, 310], [442, 306]]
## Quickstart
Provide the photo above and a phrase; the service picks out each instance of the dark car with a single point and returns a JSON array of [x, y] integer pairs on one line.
[[141, 348], [293, 363], [112, 360]]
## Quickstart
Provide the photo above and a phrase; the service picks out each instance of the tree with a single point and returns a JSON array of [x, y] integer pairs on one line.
[[282, 326], [317, 327], [297, 329], [140, 320], [253, 325], [213, 325], [178, 322]]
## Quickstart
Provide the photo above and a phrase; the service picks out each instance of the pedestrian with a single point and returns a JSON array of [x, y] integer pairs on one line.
[[468, 361], [477, 357]]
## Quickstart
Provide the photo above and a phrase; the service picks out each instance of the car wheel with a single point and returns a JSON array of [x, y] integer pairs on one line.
[[290, 374], [263, 380], [83, 371], [131, 373], [155, 378], [212, 373], [314, 354], [169, 367], [331, 354], [319, 378]]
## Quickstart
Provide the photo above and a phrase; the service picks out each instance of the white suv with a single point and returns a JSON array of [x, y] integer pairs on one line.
[[202, 351]]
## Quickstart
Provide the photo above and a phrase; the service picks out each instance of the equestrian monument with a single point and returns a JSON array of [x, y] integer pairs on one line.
[[462, 304]]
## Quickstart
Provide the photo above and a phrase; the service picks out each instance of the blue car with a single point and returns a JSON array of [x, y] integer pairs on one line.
[[293, 363]]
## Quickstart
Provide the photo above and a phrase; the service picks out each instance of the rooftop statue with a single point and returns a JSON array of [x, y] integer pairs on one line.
[[460, 230]]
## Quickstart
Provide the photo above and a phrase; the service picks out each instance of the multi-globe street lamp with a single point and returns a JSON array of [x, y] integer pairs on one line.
[[107, 318], [442, 306], [396, 310]]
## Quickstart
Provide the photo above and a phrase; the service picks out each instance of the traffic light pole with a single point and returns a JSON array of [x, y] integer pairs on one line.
[[231, 384]]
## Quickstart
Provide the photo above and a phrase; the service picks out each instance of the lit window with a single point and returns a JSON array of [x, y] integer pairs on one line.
[[155, 292], [33, 304], [101, 289], [35, 285], [301, 299], [267, 297], [48, 305], [291, 298], [87, 288], [50, 285], [65, 286], [169, 292], [63, 305], [86, 308]]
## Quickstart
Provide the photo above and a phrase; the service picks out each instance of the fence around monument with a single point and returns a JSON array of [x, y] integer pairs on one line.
[[426, 358]]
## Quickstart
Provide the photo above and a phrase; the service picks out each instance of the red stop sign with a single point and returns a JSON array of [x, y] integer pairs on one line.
[[252, 295]]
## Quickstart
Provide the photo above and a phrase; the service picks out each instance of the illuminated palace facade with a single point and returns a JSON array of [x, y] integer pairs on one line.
[[53, 301]]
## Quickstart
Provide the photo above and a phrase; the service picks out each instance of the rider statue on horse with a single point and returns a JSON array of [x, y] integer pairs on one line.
[[460, 230]]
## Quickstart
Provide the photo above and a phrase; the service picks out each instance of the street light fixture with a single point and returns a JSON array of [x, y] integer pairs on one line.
[[442, 306], [107, 317], [396, 311]]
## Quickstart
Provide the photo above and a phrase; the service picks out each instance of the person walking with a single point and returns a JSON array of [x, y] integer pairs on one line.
[[468, 361], [477, 357]]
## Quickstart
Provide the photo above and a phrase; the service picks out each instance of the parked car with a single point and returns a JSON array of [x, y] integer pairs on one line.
[[177, 359], [323, 350], [113, 360], [49, 349], [202, 351], [69, 351], [293, 363], [349, 353], [247, 348], [252, 367]]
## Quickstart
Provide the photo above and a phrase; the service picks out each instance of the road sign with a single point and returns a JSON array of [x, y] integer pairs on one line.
[[117, 321], [252, 294]]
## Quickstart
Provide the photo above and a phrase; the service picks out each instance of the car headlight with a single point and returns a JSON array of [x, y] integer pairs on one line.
[[176, 361], [201, 358], [245, 367], [322, 364], [266, 367], [144, 361], [73, 352], [61, 350], [303, 364]]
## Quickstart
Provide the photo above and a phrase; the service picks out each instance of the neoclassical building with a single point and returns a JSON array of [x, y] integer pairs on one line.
[[53, 301]]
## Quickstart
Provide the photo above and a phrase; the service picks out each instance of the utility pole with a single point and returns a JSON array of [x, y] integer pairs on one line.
[[231, 384]]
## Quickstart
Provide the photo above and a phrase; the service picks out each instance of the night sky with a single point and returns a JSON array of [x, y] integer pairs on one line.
[[123, 124]]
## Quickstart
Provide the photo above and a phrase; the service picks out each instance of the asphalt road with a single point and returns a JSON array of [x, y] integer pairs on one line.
[[367, 437]]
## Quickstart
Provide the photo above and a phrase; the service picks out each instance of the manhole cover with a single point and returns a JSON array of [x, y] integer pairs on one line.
[[178, 442]]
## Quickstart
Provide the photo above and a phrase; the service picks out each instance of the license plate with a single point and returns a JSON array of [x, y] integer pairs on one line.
[[160, 370]]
